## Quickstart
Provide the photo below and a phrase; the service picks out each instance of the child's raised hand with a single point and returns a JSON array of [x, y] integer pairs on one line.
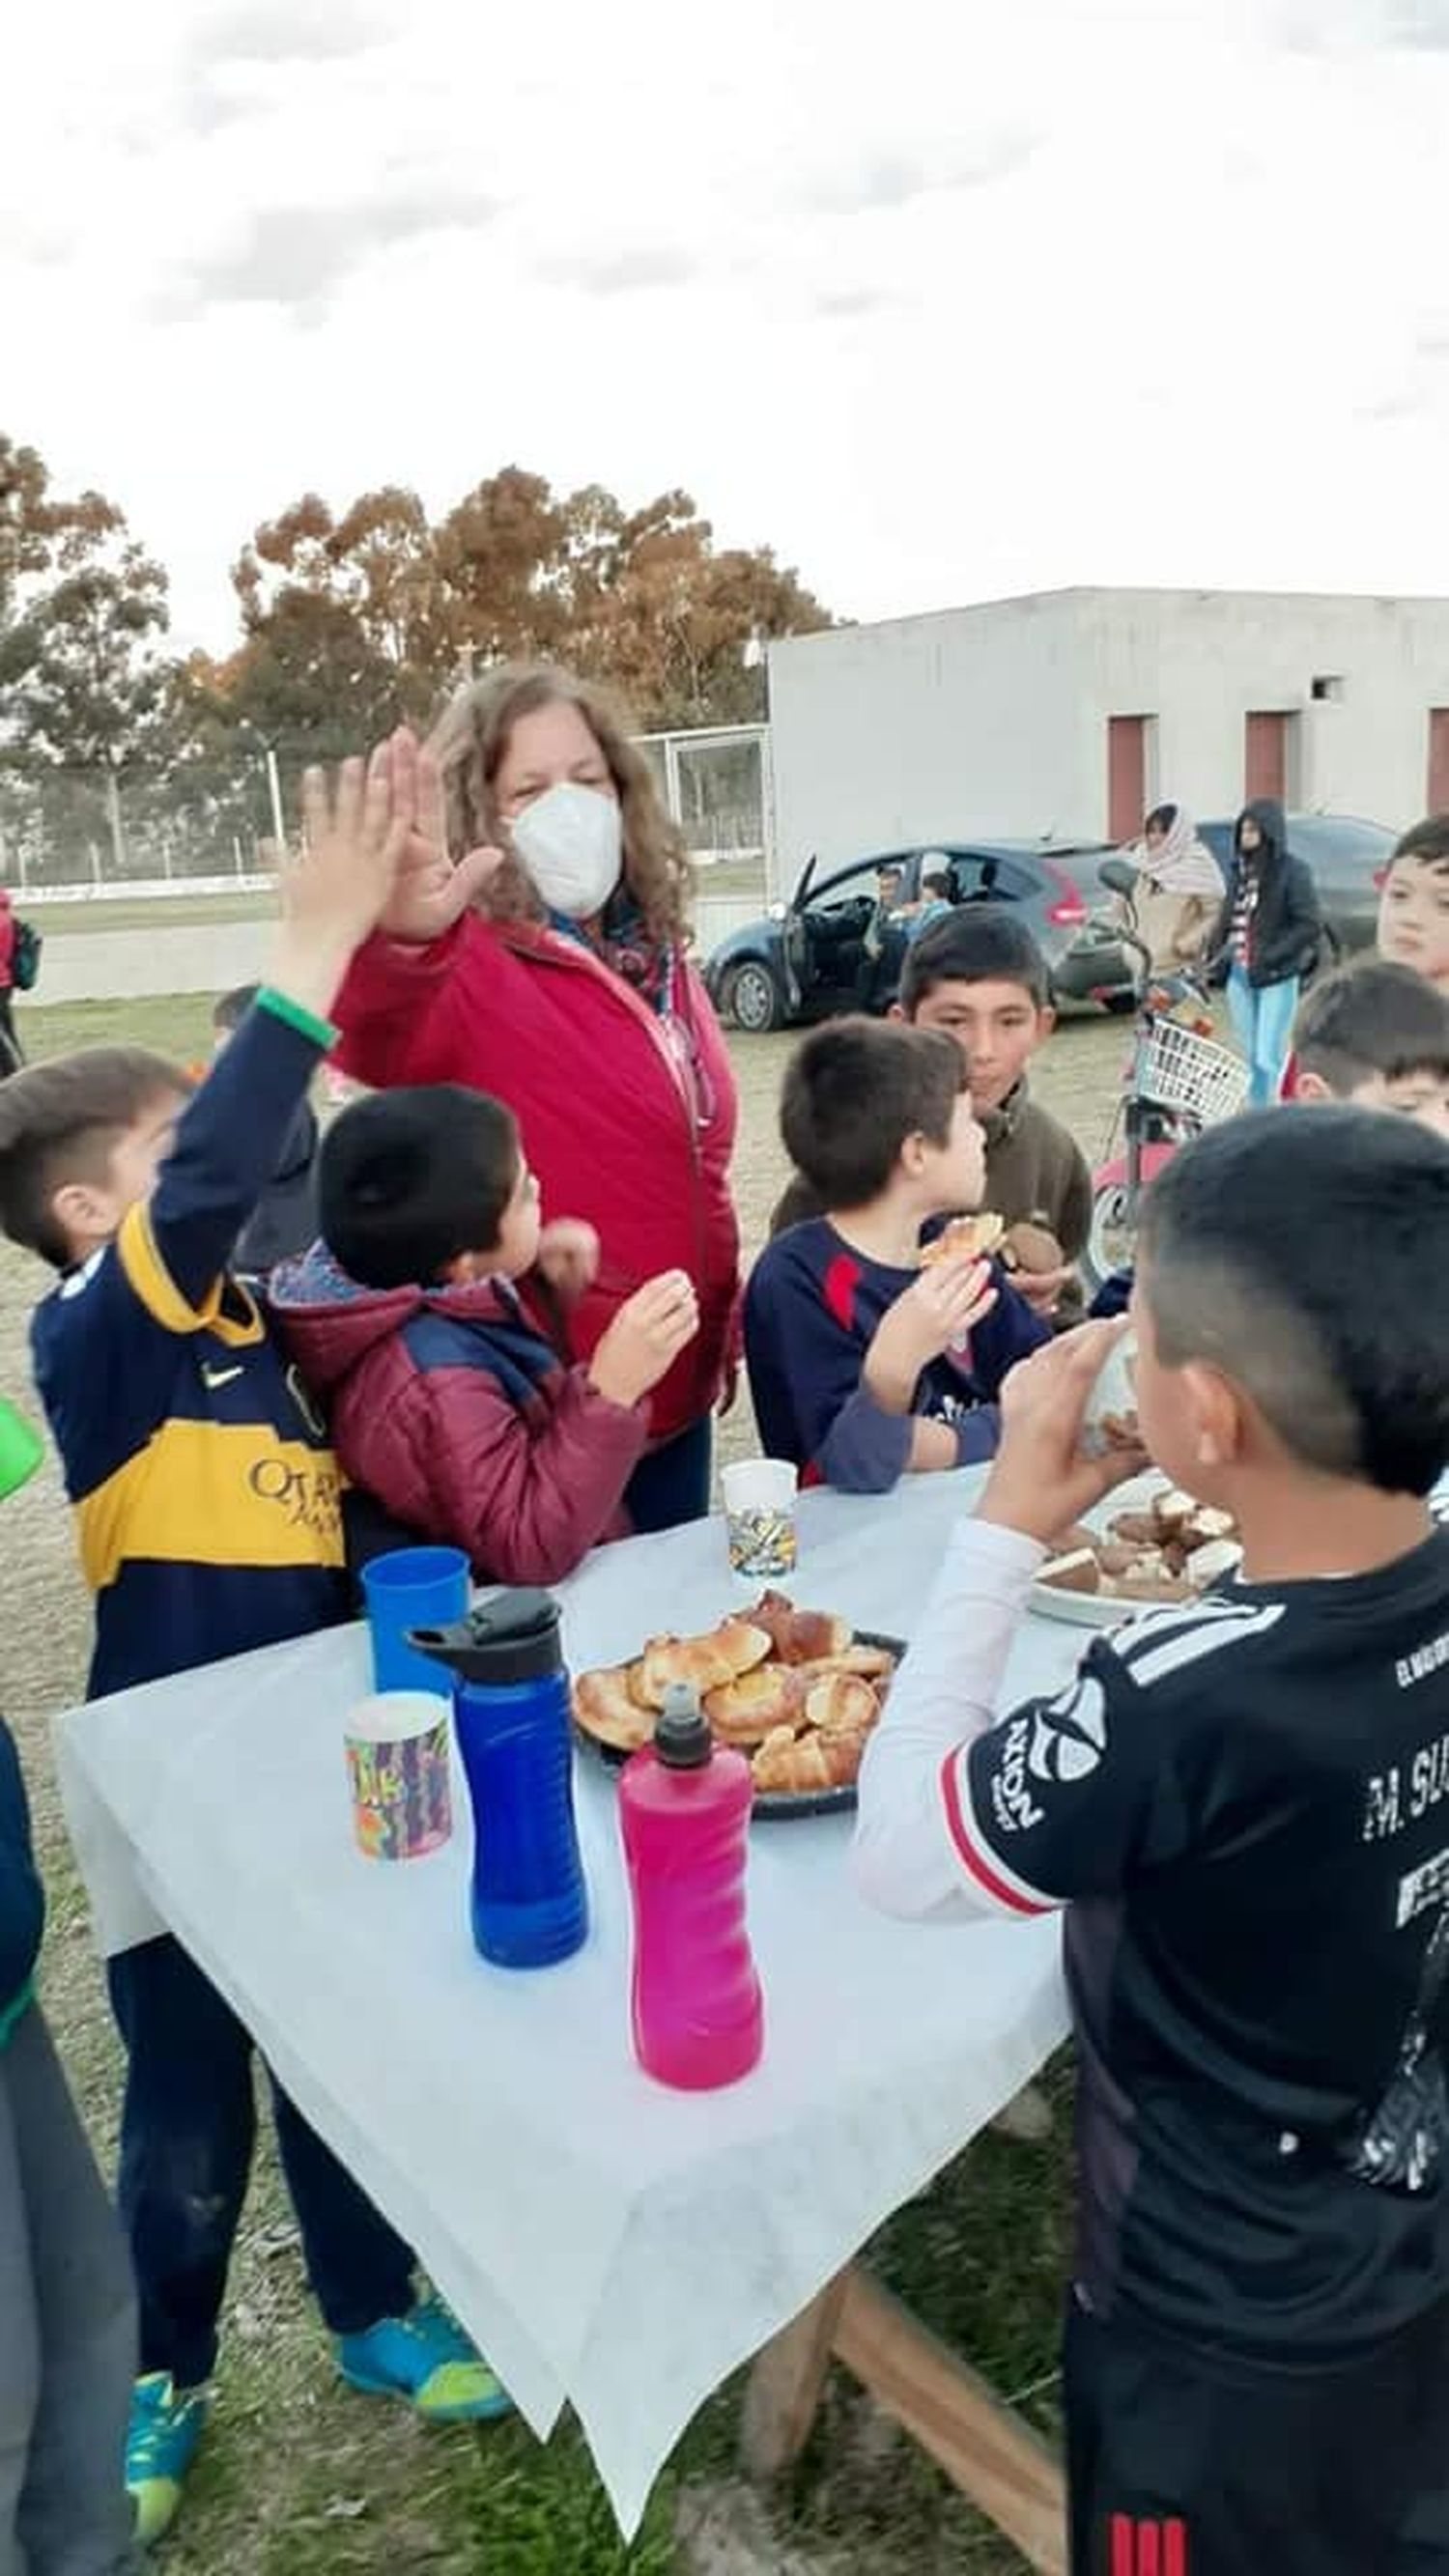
[[430, 891], [939, 1308], [1040, 1482], [645, 1338], [334, 889], [568, 1256]]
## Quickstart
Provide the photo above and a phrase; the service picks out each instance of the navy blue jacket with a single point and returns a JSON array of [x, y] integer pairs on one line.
[[811, 1312]]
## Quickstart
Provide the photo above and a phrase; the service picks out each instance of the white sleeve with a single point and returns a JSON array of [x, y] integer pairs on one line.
[[904, 1859]]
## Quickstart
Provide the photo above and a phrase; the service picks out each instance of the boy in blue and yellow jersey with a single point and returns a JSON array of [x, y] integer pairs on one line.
[[207, 1501]]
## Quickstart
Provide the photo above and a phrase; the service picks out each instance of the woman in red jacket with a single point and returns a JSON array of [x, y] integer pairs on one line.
[[537, 948]]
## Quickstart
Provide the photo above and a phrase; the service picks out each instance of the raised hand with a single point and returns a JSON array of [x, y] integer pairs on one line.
[[939, 1308], [568, 1256], [335, 889], [645, 1338], [431, 890]]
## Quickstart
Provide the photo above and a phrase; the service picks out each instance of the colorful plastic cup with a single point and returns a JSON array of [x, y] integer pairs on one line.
[[413, 1587], [397, 1769], [21, 1450], [759, 1501]]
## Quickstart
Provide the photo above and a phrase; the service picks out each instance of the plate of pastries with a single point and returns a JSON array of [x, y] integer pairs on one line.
[[1147, 1545], [796, 1691]]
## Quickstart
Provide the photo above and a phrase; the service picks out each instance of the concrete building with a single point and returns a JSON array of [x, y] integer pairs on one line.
[[1070, 712]]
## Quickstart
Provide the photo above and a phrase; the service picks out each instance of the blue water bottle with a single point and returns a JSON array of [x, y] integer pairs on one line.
[[511, 1709]]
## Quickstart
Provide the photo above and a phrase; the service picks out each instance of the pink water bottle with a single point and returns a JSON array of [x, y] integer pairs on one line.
[[684, 1806]]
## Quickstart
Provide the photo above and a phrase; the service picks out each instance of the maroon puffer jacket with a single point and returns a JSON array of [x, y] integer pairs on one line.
[[456, 1412]]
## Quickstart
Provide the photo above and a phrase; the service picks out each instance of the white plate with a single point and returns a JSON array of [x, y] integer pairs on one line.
[[1099, 1609]]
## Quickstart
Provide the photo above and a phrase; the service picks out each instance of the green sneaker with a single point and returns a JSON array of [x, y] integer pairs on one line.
[[426, 2358], [166, 2425]]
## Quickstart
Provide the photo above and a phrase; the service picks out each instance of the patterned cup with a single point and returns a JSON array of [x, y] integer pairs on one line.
[[397, 1767], [759, 1501]]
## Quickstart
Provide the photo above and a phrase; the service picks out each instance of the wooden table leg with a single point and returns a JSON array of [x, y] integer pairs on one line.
[[985, 2450], [783, 2395]]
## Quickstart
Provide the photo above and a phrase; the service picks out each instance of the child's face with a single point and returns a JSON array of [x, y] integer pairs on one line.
[[955, 1173], [519, 1230], [1414, 917], [1424, 1096], [92, 1212], [997, 1027]]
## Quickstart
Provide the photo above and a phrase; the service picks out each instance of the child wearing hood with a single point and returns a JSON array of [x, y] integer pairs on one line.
[[433, 1320], [1267, 939]]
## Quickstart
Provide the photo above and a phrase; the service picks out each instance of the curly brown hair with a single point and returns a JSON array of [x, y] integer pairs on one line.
[[469, 742]]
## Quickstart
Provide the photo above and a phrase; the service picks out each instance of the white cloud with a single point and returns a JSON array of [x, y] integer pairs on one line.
[[1146, 291]]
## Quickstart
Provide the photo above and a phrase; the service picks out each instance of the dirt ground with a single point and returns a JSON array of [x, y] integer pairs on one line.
[[295, 2477]]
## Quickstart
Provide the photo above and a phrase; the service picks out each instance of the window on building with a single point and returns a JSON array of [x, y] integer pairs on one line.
[[1327, 690]]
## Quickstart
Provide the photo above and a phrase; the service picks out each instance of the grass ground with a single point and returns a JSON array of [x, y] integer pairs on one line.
[[298, 2478]]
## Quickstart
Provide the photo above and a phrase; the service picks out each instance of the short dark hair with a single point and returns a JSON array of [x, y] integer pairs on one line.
[[935, 881], [409, 1179], [982, 943], [231, 1009], [1372, 1017], [1249, 1242], [1426, 843], [854, 1091], [62, 1122]]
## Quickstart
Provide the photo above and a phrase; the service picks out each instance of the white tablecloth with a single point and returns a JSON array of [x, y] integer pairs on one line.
[[607, 2242]]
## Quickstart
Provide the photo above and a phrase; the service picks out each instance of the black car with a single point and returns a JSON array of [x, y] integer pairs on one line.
[[806, 959], [1346, 858]]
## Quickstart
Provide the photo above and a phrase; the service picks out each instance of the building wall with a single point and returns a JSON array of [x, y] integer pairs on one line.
[[924, 728], [995, 719]]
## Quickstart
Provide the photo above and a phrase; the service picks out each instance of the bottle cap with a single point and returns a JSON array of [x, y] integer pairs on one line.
[[682, 1740], [511, 1638]]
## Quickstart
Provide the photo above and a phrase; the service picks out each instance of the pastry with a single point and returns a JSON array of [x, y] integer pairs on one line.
[[798, 1636], [1079, 1571], [840, 1704], [797, 1764], [755, 1703], [606, 1709], [1210, 1562], [1031, 1247], [966, 1238], [872, 1663], [733, 1647]]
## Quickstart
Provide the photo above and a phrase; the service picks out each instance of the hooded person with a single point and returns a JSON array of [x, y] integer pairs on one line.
[[1268, 937], [1180, 889]]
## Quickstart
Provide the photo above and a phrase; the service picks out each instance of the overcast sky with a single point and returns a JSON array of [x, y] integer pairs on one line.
[[976, 299]]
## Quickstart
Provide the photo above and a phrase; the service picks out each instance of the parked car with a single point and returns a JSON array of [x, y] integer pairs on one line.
[[802, 960], [1346, 857]]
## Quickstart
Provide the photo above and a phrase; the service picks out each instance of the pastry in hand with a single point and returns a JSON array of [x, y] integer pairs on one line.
[[1031, 1247], [966, 1238], [750, 1707], [708, 1662]]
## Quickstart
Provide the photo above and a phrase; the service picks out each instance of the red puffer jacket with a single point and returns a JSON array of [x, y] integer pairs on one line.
[[624, 1123], [455, 1410]]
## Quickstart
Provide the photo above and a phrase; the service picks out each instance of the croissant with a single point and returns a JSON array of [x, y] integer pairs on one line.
[[733, 1647], [606, 1709], [799, 1636], [842, 1704], [746, 1710], [800, 1763], [872, 1663]]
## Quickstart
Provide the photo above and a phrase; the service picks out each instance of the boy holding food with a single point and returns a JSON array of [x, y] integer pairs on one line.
[[1240, 1804], [864, 1364]]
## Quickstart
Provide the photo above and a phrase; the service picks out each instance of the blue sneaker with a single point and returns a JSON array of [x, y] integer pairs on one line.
[[426, 2358], [165, 2427]]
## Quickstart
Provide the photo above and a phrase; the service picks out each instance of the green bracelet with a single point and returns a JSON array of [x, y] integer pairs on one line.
[[306, 1023]]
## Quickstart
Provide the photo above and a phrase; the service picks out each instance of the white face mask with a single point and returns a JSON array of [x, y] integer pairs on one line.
[[570, 839]]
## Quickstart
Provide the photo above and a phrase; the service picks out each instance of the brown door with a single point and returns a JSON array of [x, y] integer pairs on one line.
[[1265, 764], [1439, 760], [1126, 776]]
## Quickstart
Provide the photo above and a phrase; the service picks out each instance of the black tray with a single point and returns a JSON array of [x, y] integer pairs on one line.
[[772, 1806]]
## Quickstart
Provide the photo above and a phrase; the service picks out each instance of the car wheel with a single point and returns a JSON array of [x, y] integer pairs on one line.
[[753, 999], [1111, 1237]]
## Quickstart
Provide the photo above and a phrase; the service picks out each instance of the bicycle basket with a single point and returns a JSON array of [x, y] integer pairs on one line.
[[1180, 1070]]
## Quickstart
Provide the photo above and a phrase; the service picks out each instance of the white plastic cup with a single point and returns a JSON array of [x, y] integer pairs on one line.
[[397, 1748], [1113, 1398], [759, 1500]]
